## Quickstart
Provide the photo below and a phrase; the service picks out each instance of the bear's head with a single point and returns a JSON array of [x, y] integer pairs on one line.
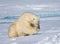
[[33, 22]]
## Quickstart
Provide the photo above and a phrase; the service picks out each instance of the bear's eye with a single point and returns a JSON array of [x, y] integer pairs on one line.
[[32, 25], [33, 18], [26, 34]]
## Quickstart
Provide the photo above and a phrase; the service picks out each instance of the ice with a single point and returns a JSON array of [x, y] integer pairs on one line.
[[48, 34], [13, 43], [48, 10]]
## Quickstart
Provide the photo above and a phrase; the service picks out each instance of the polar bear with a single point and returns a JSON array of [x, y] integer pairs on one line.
[[27, 24]]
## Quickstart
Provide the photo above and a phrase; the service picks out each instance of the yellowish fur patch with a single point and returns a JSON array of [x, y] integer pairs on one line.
[[26, 25]]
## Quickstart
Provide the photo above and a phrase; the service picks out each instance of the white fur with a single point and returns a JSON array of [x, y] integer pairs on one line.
[[22, 26]]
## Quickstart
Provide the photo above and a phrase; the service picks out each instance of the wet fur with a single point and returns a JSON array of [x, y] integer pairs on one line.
[[27, 24]]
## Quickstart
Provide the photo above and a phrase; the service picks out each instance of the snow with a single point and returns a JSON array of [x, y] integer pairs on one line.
[[48, 34], [50, 26]]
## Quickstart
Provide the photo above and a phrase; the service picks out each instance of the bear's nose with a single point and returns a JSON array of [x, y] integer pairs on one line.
[[38, 25]]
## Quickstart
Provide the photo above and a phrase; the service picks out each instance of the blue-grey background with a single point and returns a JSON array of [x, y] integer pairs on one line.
[[47, 10]]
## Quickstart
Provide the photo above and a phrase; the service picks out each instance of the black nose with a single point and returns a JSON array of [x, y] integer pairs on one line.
[[38, 25]]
